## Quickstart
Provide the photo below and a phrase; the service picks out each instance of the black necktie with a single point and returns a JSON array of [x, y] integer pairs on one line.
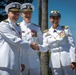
[[54, 31]]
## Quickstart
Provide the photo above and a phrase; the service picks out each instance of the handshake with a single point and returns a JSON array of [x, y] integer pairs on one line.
[[34, 46]]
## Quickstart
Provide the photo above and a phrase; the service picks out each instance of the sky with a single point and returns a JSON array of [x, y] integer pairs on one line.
[[67, 10]]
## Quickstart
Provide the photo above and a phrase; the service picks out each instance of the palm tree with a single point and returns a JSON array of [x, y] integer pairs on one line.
[[43, 22]]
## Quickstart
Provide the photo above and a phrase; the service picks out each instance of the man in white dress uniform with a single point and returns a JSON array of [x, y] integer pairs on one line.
[[58, 39], [32, 33], [11, 42]]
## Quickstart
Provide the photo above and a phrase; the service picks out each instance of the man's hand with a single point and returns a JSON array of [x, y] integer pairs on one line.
[[33, 33], [73, 65], [22, 67], [34, 46]]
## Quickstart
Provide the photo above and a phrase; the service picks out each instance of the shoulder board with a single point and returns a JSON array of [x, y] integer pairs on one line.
[[45, 31], [35, 24], [18, 24], [65, 27], [6, 21]]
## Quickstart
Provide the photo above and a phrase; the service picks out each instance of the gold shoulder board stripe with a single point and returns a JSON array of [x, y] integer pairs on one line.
[[6, 21], [64, 27], [45, 31]]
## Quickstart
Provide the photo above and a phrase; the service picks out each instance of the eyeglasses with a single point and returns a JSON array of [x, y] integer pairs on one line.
[[55, 18]]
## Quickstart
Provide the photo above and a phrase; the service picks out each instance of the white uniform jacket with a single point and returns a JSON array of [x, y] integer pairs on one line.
[[31, 58], [10, 45], [61, 45]]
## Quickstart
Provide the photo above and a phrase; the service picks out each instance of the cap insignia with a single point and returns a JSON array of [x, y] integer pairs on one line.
[[28, 6], [17, 6]]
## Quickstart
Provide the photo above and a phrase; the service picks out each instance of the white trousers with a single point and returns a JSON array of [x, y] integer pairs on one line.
[[63, 71], [6, 71], [35, 71]]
